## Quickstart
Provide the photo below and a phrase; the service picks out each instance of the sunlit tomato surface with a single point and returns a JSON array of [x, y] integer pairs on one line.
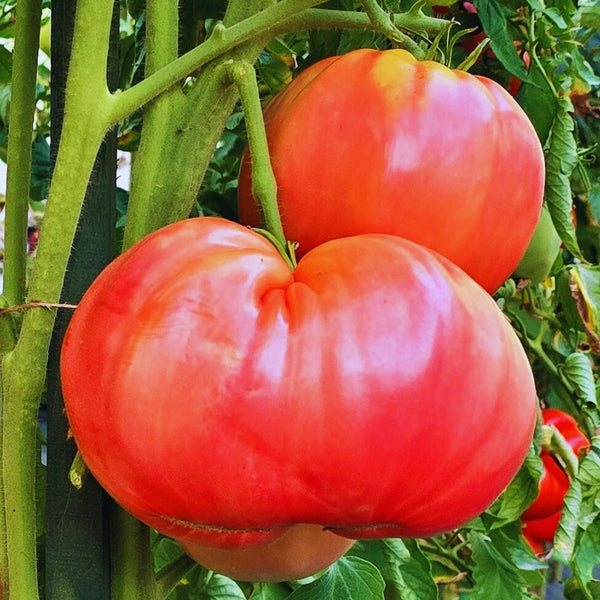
[[222, 398], [375, 141]]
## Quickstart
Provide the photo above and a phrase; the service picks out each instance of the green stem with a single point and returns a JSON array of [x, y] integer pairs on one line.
[[536, 346], [187, 134], [131, 579], [171, 574], [322, 18], [24, 368], [264, 186], [223, 40], [27, 31], [162, 25], [186, 127], [382, 22], [449, 553], [22, 110], [554, 442]]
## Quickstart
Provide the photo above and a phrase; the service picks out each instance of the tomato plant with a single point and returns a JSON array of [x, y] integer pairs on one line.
[[321, 383], [406, 141]]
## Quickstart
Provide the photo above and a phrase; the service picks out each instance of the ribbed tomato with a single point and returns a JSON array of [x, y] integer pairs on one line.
[[223, 398], [376, 141]]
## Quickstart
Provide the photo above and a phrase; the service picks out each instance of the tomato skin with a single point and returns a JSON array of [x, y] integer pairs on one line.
[[301, 551], [538, 531], [375, 141], [221, 398], [540, 520]]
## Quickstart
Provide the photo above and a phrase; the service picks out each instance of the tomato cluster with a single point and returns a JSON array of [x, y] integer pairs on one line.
[[266, 416], [540, 520]]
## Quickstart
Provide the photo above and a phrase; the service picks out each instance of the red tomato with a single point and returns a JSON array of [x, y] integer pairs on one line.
[[553, 486], [375, 141], [554, 483], [538, 531], [222, 398]]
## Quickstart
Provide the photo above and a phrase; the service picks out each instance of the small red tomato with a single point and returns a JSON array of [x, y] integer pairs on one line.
[[540, 531], [554, 482]]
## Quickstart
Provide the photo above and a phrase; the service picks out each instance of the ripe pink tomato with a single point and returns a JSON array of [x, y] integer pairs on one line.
[[378, 142], [223, 398]]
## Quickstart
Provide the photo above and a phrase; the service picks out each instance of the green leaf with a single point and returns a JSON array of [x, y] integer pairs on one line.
[[583, 70], [509, 542], [275, 66], [6, 59], [581, 505], [578, 370], [408, 572], [269, 591], [519, 494], [495, 577], [201, 584], [350, 578], [574, 591], [539, 101], [584, 290], [587, 556], [555, 16], [136, 7], [590, 16], [220, 587], [322, 43], [561, 160], [496, 27], [40, 168]]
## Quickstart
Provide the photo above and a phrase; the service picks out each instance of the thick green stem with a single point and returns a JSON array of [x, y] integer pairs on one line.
[[383, 22], [188, 137], [132, 579], [27, 33], [186, 128], [264, 186], [260, 24], [322, 18], [24, 368], [171, 574]]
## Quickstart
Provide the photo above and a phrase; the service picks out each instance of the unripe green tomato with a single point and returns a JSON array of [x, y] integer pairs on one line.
[[541, 252]]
